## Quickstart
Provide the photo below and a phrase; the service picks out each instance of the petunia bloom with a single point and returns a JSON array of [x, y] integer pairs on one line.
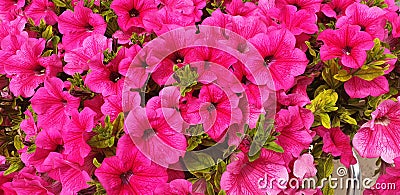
[[78, 25], [130, 172], [53, 105], [28, 68], [370, 19], [338, 144], [178, 186], [283, 60], [42, 9], [347, 43], [304, 166], [131, 12], [379, 137], [243, 177]]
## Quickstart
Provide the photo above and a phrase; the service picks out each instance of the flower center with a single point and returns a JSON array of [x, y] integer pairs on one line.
[[268, 60], [347, 50], [134, 12], [89, 27], [178, 58], [148, 133], [384, 120], [115, 76], [363, 28], [59, 149], [211, 107], [297, 6], [39, 70], [126, 176], [337, 10]]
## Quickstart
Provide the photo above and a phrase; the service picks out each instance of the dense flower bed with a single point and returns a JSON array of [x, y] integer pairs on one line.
[[195, 96]]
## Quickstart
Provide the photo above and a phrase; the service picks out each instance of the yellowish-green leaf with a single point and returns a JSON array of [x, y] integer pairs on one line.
[[369, 74], [325, 120], [343, 76]]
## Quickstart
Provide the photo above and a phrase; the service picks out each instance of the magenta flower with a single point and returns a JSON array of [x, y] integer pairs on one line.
[[347, 43], [242, 176], [390, 179], [294, 125], [218, 19], [359, 88], [192, 8], [371, 20], [9, 47], [53, 105], [78, 25], [109, 79], [379, 136], [42, 9], [312, 6], [164, 69], [112, 106], [68, 173], [28, 182], [131, 12], [152, 133], [163, 21], [336, 8], [394, 19], [9, 9], [28, 125], [304, 166], [240, 8], [178, 186], [297, 22], [283, 60], [76, 133], [91, 50], [130, 172], [338, 144], [28, 69]]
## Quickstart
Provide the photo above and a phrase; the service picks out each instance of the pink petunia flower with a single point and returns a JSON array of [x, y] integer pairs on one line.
[[78, 25], [28, 69], [312, 6], [28, 125], [371, 20], [336, 8], [394, 19], [338, 144], [240, 8], [130, 172], [390, 179], [41, 9], [192, 8], [379, 136], [178, 186], [243, 177], [112, 106], [76, 134], [347, 43], [153, 134], [297, 22], [9, 9], [294, 125], [28, 182], [359, 88], [53, 105], [218, 19], [163, 21], [283, 60], [91, 50], [68, 173], [131, 12], [109, 79], [9, 47], [304, 166]]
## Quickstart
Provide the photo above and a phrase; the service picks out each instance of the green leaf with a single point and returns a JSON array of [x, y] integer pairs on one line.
[[343, 76], [18, 142], [198, 161], [31, 148], [101, 141], [210, 189], [186, 78], [324, 168], [59, 3], [274, 147], [325, 120], [222, 192], [15, 166], [48, 33], [47, 53], [310, 49], [369, 74], [255, 156], [96, 163]]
